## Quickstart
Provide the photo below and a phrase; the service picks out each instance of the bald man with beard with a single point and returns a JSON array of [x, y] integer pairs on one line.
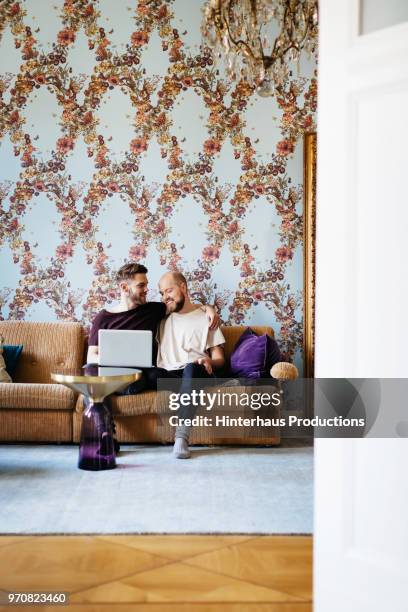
[[188, 349]]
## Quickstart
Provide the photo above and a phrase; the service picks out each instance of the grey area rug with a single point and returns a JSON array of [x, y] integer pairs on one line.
[[218, 490]]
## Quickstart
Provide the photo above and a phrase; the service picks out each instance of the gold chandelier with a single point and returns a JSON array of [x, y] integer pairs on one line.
[[260, 37]]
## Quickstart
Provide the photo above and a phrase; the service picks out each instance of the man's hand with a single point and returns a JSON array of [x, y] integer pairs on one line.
[[206, 362], [213, 317], [93, 354]]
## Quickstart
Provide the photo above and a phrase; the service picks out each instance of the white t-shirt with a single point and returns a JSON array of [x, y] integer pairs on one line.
[[183, 338]]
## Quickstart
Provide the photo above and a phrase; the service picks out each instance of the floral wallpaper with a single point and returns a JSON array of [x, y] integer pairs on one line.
[[121, 139]]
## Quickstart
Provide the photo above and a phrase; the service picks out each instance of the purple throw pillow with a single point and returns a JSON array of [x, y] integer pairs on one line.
[[253, 355]]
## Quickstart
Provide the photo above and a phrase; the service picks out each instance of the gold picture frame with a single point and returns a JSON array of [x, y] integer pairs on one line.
[[309, 251]]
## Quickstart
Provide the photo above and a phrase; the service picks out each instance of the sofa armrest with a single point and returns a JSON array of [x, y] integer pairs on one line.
[[284, 371]]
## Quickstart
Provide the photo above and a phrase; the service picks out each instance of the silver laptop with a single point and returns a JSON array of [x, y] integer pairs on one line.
[[121, 347]]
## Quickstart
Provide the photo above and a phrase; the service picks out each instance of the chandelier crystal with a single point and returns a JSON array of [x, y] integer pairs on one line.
[[259, 38]]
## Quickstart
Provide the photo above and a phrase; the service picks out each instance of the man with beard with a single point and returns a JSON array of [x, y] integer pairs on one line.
[[134, 312], [188, 349]]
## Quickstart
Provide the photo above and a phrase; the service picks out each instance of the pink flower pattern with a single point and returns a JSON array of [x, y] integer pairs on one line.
[[153, 101]]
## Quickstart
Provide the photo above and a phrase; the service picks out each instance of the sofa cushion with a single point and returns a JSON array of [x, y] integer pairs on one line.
[[253, 355], [129, 405], [232, 334], [36, 396], [11, 354], [4, 375], [46, 346]]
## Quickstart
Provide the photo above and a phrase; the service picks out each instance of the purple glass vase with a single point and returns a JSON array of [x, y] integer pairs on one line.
[[96, 447]]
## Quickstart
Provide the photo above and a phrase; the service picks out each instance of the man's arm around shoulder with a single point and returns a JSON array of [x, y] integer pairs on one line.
[[212, 315]]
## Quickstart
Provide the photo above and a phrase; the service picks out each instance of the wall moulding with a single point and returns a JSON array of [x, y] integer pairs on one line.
[[309, 251]]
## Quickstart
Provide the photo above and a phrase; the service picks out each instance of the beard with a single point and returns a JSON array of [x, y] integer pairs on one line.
[[176, 305], [138, 299]]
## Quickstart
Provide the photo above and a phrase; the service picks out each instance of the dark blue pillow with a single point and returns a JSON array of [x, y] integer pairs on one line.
[[253, 355], [11, 356]]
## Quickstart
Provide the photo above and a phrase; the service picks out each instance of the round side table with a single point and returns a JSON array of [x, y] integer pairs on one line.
[[96, 448]]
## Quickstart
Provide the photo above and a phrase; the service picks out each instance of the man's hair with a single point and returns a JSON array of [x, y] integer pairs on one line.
[[127, 271]]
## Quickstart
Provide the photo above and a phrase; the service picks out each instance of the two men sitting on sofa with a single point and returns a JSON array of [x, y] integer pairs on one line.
[[190, 344]]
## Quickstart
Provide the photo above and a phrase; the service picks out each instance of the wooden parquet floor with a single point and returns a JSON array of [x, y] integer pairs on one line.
[[159, 573]]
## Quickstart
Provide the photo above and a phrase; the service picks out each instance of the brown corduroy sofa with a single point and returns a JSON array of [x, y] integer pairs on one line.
[[34, 409]]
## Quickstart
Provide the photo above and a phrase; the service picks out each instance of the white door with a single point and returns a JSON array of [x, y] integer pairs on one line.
[[361, 486]]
